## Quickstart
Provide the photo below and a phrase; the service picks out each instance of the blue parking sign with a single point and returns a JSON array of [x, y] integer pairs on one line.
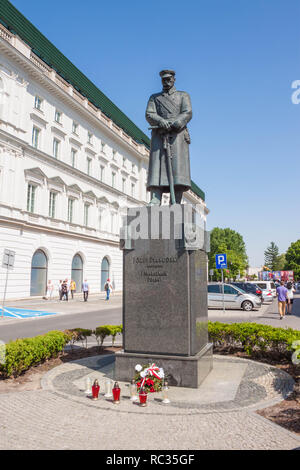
[[221, 261]]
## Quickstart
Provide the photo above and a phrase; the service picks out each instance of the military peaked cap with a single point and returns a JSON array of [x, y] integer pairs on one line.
[[165, 73]]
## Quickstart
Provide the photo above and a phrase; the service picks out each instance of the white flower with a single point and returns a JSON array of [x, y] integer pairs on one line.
[[144, 373], [138, 367], [161, 373]]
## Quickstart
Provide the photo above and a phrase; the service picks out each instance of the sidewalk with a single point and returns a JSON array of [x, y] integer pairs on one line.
[[218, 415], [77, 305]]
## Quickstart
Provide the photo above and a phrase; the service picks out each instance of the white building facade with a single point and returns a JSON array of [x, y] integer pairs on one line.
[[67, 171]]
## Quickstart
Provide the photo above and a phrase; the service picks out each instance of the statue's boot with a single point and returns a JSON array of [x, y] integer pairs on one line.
[[178, 196], [156, 195]]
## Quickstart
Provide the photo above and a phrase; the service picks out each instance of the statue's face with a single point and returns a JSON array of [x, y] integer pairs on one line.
[[168, 82]]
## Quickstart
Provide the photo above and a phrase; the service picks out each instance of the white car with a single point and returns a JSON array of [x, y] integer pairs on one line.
[[267, 296], [266, 285]]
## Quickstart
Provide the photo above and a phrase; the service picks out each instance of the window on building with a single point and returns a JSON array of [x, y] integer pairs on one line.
[[38, 103], [77, 272], [132, 189], [39, 271], [70, 209], [124, 185], [124, 161], [36, 137], [52, 204], [105, 270], [30, 197], [90, 138], [73, 158], [56, 143], [114, 155], [133, 168], [88, 165], [102, 147], [113, 179], [75, 128], [86, 215], [57, 116], [112, 222], [102, 168]]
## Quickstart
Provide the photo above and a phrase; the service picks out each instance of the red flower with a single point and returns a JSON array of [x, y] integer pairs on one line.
[[149, 382], [152, 389]]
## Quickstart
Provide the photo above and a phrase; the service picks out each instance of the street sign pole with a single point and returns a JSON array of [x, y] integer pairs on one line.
[[4, 292], [221, 263], [223, 291], [8, 263]]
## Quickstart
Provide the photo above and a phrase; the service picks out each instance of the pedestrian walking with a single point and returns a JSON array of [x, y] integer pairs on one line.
[[59, 289], [108, 288], [85, 290], [282, 297], [64, 290], [72, 288], [290, 297], [69, 285], [50, 289]]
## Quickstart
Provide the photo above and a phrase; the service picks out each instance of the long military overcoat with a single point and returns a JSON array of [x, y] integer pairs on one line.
[[173, 105]]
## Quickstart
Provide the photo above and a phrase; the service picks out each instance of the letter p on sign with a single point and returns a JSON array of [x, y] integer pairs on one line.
[[221, 261]]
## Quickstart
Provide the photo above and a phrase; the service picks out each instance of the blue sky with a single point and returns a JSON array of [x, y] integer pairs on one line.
[[237, 59]]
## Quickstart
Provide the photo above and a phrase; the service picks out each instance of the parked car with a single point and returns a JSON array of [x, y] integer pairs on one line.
[[248, 287], [233, 297], [267, 285], [267, 296]]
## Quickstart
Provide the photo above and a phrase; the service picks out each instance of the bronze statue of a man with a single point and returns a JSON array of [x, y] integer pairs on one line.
[[168, 113]]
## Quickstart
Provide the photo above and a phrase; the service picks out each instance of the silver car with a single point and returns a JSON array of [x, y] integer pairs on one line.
[[233, 297]]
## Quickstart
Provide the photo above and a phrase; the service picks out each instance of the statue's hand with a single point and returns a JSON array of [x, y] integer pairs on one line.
[[165, 125], [176, 125]]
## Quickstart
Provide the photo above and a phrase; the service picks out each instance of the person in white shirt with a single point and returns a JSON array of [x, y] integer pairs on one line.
[[108, 288], [290, 297], [50, 288], [59, 289]]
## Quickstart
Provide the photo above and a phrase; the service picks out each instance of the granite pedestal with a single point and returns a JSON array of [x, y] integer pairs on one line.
[[165, 305]]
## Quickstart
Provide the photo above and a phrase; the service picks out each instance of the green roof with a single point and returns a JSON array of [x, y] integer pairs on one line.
[[14, 21], [197, 191]]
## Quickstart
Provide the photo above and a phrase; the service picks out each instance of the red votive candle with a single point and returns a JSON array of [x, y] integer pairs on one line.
[[143, 397], [116, 393], [95, 390]]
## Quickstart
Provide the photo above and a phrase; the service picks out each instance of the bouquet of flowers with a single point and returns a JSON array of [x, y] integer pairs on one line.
[[149, 377]]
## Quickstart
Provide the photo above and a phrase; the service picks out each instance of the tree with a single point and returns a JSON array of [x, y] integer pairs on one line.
[[281, 261], [226, 240], [293, 259], [271, 256]]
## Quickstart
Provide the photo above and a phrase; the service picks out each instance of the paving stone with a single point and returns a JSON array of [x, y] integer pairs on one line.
[[59, 417]]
